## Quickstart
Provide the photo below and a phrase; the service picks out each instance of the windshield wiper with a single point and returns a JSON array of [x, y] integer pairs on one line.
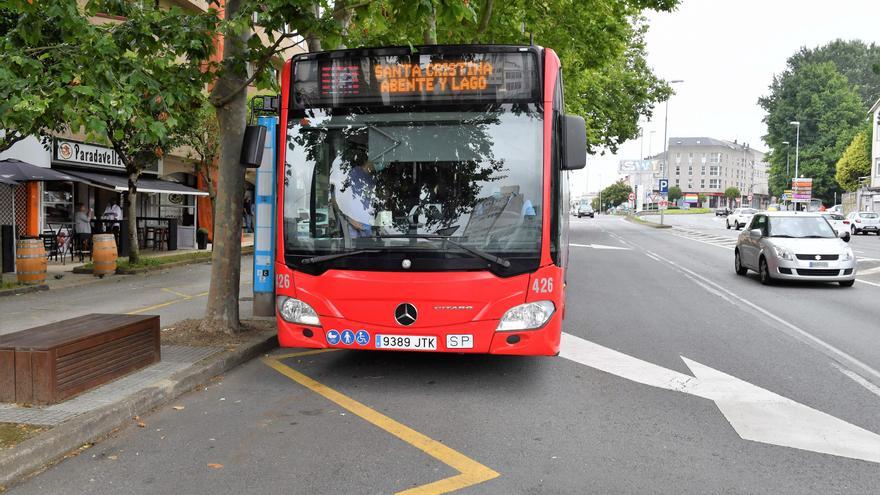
[[328, 257], [474, 251], [783, 235]]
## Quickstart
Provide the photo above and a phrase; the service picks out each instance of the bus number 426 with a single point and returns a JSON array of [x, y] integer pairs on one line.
[[542, 285]]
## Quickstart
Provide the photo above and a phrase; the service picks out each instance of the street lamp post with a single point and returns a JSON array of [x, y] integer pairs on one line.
[[787, 153], [666, 137], [797, 149]]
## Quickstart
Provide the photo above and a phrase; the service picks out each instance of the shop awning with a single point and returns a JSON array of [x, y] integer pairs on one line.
[[144, 184], [19, 171]]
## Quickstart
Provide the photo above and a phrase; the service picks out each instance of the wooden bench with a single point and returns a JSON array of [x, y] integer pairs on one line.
[[51, 363]]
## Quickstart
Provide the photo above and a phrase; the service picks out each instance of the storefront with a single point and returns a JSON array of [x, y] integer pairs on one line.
[[162, 196]]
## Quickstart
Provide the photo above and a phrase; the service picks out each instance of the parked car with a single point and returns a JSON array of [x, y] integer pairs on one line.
[[862, 222], [722, 212], [584, 210], [794, 246], [839, 223], [835, 209], [740, 217], [773, 207]]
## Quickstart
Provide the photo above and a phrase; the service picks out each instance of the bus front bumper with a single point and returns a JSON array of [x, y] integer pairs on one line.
[[478, 337]]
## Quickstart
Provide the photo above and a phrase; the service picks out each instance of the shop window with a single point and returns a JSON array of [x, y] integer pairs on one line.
[[58, 207]]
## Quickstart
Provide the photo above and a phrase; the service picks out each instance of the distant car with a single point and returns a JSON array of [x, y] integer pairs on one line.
[[773, 207], [722, 212], [835, 209], [794, 246], [862, 222], [585, 210], [740, 217], [839, 223]]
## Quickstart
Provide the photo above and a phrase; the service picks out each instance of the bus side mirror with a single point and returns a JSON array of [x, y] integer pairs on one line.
[[575, 143], [252, 147]]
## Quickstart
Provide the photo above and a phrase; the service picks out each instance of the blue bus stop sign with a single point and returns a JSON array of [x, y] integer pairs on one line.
[[664, 186]]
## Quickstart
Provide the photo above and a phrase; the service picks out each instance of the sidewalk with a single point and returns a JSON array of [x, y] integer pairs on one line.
[[60, 275]]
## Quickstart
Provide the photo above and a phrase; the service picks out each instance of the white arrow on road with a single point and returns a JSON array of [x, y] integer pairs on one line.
[[755, 413], [599, 246]]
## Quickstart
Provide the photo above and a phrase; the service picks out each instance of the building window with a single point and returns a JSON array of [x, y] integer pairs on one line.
[[677, 182], [714, 183], [878, 167], [714, 170], [703, 169], [702, 183], [677, 170], [715, 158], [690, 185], [690, 170]]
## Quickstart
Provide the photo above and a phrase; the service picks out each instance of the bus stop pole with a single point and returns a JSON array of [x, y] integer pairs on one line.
[[264, 224]]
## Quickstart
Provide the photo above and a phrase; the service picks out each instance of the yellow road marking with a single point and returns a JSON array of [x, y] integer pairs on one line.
[[471, 471], [303, 353], [179, 294], [183, 297]]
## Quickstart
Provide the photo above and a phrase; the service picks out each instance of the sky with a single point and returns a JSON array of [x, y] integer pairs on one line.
[[727, 52]]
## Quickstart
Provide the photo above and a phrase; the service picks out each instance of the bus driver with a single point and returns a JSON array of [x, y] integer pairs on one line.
[[353, 193]]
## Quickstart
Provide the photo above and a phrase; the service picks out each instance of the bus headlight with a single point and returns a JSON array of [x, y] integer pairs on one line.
[[526, 316], [296, 311]]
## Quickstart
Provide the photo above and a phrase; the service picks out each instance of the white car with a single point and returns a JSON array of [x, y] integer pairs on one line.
[[862, 222], [839, 223], [794, 246], [740, 218]]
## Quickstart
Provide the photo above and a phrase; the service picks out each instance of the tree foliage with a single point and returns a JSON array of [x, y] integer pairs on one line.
[[674, 194], [855, 162], [830, 113], [35, 44], [855, 59], [732, 193], [616, 193]]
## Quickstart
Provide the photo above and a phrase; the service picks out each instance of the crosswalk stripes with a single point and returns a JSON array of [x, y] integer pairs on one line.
[[712, 239]]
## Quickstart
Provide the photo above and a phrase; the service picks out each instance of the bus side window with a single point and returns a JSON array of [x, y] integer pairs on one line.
[[558, 197]]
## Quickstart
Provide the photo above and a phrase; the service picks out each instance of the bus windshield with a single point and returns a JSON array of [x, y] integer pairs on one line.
[[374, 182]]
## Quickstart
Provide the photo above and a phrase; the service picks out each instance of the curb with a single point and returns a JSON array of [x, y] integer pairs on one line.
[[32, 455], [631, 219], [17, 291]]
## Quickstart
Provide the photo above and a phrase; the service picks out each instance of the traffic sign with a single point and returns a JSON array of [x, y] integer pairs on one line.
[[632, 196], [750, 197], [656, 197], [663, 204], [664, 186]]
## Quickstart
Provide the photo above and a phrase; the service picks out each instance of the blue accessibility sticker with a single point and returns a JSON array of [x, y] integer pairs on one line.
[[332, 337], [362, 337], [347, 337]]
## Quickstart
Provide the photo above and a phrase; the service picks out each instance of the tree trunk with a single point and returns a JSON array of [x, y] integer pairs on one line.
[[430, 34], [313, 42], [134, 254], [222, 312], [485, 16]]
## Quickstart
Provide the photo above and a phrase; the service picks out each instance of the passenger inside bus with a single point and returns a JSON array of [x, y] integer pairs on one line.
[[353, 193]]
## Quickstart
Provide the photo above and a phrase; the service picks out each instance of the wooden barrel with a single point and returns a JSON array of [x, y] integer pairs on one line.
[[30, 261], [104, 254]]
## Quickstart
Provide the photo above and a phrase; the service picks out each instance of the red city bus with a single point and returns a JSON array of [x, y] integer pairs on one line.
[[424, 199]]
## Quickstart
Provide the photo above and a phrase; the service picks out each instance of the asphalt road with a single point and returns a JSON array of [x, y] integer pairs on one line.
[[643, 398]]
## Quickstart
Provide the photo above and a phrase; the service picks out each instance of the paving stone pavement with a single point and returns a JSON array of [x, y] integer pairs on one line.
[[174, 359]]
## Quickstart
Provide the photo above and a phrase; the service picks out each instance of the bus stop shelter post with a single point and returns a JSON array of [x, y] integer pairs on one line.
[[264, 224]]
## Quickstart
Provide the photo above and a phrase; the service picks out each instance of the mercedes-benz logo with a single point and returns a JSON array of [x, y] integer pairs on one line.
[[818, 257], [406, 314]]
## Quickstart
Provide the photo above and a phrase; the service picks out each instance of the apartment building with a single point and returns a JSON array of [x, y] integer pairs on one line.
[[708, 166]]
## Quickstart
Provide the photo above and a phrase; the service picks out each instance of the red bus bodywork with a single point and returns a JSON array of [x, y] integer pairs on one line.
[[449, 303]]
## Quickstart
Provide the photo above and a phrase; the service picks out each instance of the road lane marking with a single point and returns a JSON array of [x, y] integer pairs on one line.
[[809, 338], [599, 246], [866, 282], [470, 471], [754, 413], [874, 389], [176, 293], [652, 257], [183, 297]]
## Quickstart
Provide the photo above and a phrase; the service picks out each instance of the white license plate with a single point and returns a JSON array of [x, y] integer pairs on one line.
[[818, 264], [406, 342]]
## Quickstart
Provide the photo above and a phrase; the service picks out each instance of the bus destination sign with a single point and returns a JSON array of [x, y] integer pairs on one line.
[[496, 77]]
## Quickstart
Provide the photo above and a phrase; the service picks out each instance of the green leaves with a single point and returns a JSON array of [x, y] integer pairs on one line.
[[855, 162], [830, 111]]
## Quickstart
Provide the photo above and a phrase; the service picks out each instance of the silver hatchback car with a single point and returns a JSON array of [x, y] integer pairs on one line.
[[794, 246]]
